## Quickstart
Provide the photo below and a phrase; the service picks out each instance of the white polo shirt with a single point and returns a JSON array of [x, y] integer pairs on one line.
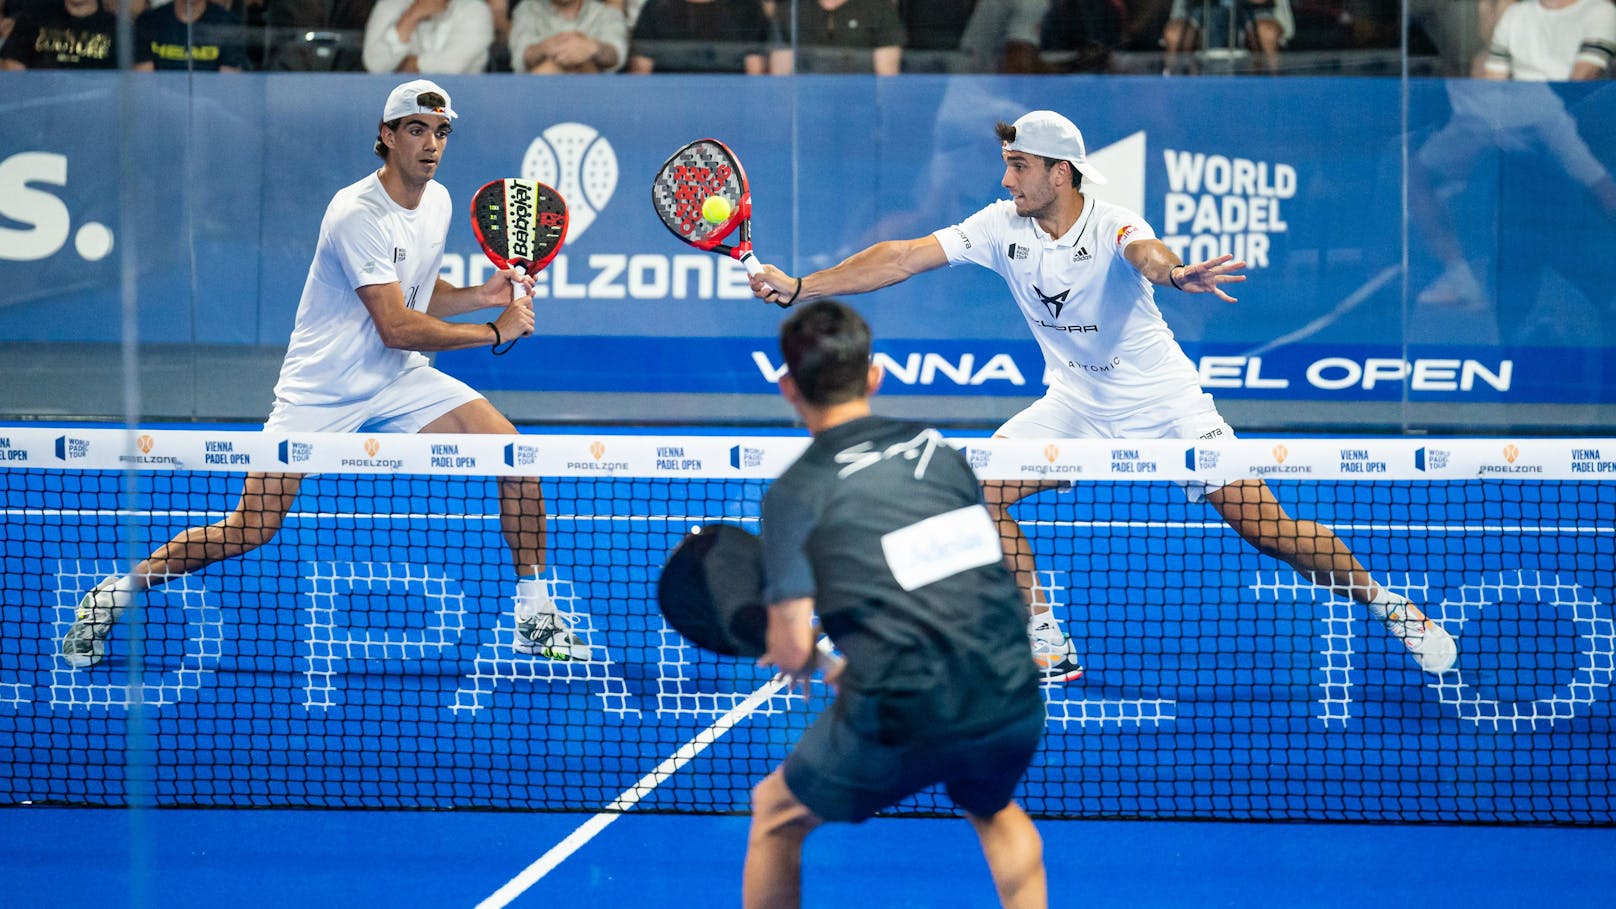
[[1093, 313], [336, 356]]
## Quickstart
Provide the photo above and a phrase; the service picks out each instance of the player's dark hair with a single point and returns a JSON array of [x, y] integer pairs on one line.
[[826, 345], [424, 99], [1007, 133]]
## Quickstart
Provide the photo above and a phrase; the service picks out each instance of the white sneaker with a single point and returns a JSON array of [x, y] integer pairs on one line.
[[547, 633], [1456, 288], [85, 644], [1428, 642], [1053, 651]]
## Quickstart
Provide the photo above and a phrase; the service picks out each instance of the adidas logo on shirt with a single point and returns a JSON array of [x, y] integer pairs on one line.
[[1082, 254]]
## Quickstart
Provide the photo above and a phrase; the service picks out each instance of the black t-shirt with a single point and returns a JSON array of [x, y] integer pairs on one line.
[[47, 37], [882, 523], [716, 37], [208, 43]]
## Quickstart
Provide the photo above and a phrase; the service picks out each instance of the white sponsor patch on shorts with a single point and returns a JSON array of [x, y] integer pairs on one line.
[[942, 546]]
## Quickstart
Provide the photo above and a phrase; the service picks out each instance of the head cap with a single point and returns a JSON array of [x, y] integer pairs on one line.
[[1049, 135], [402, 102]]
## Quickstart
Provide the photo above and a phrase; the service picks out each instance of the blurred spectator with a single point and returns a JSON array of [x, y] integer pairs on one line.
[[1537, 42], [1553, 41], [315, 35], [6, 22], [838, 36], [974, 36], [630, 9], [1230, 26], [189, 35], [700, 36], [1454, 30], [568, 36], [61, 34], [428, 36], [1080, 35]]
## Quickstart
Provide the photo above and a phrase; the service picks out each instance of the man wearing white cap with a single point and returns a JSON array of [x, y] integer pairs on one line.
[[1083, 272], [372, 303]]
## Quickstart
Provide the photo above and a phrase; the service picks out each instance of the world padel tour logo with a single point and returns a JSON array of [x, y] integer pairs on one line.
[[295, 452], [580, 164], [1431, 458], [71, 449], [745, 457], [519, 455]]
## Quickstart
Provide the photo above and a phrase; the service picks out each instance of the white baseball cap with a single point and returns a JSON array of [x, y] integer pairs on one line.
[[402, 102], [1048, 134]]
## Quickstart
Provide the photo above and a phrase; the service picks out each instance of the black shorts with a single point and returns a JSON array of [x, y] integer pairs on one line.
[[842, 775]]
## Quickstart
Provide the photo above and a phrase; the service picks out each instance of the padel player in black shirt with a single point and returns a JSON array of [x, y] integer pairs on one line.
[[880, 529]]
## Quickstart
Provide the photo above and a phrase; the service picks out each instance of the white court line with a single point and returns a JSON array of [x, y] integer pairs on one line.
[[586, 831]]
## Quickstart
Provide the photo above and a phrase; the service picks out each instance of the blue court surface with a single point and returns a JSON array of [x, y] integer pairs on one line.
[[65, 858]]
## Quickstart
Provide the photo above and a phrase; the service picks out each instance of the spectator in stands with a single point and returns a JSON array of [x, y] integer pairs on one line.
[[61, 34], [316, 35], [1260, 25], [700, 36], [1078, 36], [6, 22], [973, 36], [196, 35], [1534, 41], [568, 36], [838, 36], [429, 36]]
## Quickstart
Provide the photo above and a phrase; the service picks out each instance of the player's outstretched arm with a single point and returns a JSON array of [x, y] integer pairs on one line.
[[881, 265], [1161, 266]]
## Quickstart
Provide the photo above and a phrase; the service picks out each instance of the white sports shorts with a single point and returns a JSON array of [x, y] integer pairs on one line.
[[1057, 416], [413, 400]]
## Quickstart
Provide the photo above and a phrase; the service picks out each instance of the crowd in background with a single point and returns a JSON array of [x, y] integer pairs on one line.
[[757, 37]]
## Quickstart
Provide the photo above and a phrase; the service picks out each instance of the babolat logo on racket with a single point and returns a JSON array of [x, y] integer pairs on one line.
[[521, 220], [295, 452]]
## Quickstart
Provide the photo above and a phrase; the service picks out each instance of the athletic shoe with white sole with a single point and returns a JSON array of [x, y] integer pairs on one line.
[[1428, 642], [1053, 651], [85, 644], [546, 633]]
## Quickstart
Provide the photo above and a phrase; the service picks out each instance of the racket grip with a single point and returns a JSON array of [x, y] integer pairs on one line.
[[828, 658], [753, 266]]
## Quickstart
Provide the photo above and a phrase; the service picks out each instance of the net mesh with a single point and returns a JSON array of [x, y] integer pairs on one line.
[[363, 656]]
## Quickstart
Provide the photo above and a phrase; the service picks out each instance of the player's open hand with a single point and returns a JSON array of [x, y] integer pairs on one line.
[[772, 285], [1209, 277]]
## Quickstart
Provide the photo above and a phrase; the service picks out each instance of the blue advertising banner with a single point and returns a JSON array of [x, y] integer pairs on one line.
[[1438, 254]]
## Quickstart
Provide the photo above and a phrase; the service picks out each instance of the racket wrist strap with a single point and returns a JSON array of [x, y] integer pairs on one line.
[[1173, 280], [794, 295], [499, 351]]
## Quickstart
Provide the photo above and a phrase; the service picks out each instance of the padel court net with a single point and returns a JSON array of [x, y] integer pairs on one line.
[[363, 658]]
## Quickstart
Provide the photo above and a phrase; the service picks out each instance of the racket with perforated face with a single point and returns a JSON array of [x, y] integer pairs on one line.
[[693, 174]]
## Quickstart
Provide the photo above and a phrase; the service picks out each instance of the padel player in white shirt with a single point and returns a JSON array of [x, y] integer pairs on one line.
[[1084, 275], [372, 302]]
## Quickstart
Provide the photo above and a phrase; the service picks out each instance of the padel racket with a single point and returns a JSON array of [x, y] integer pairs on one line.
[[695, 173], [711, 592], [519, 224]]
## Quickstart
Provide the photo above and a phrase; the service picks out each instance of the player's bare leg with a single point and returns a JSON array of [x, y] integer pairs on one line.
[[1249, 507], [1015, 854], [265, 500], [772, 878], [541, 628], [1052, 648]]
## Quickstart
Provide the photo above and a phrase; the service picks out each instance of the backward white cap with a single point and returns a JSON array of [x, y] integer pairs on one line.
[[1048, 134], [402, 102]]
